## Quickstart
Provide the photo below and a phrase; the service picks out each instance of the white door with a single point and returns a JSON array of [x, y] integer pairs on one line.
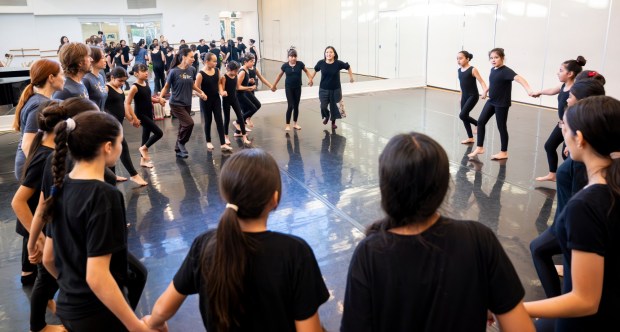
[[387, 44], [275, 50], [479, 35]]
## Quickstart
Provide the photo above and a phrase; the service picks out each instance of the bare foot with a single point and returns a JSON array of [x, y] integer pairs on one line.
[[139, 180], [287, 128], [145, 163], [121, 179], [477, 151], [226, 148], [226, 140], [144, 152], [468, 141], [54, 328], [560, 270], [249, 123], [247, 142], [548, 177], [500, 156], [51, 305], [209, 146], [296, 126]]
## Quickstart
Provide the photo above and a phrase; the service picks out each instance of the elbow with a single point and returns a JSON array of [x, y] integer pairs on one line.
[[591, 308]]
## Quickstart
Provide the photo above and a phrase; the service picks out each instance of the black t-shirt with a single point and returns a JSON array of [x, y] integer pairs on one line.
[[442, 280], [32, 179], [562, 100], [468, 82], [500, 86], [89, 221], [330, 73], [202, 48], [283, 282], [293, 74], [241, 48], [588, 224]]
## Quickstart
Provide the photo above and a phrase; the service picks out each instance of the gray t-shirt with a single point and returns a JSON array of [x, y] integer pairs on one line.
[[72, 89], [181, 82], [28, 122], [95, 85]]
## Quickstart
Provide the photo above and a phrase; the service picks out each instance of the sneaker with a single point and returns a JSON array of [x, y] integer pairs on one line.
[[209, 146], [182, 150], [226, 148]]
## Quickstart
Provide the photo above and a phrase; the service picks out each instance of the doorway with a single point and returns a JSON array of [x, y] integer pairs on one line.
[[387, 44]]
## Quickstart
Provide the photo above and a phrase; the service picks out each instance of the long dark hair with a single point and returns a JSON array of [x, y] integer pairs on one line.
[[333, 49], [249, 180], [414, 176], [92, 130], [598, 120], [183, 52]]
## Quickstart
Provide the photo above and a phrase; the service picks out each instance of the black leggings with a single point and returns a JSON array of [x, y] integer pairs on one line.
[[126, 160], [212, 108], [228, 102], [293, 96], [160, 78], [543, 248], [249, 104], [136, 280], [501, 116], [45, 286], [551, 146], [467, 104], [148, 127]]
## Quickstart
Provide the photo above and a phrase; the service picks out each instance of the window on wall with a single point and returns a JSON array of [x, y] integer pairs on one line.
[[230, 25], [110, 30], [143, 30]]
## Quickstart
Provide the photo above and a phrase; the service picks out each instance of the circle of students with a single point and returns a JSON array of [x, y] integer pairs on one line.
[[416, 268]]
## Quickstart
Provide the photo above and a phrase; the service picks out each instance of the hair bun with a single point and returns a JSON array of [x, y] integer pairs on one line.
[[581, 60]]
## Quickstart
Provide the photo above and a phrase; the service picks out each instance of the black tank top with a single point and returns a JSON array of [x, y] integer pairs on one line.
[[118, 61], [253, 51], [562, 99], [156, 59], [246, 80], [115, 104], [252, 74], [142, 100], [468, 82], [169, 60], [230, 86], [210, 85]]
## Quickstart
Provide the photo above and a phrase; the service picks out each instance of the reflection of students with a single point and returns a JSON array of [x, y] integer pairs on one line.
[[248, 277], [419, 270], [332, 155], [490, 205]]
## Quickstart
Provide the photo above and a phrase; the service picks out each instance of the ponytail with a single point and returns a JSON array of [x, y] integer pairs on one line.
[[28, 92], [612, 176], [224, 261]]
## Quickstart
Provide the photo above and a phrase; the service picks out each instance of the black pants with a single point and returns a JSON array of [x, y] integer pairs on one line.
[[543, 248], [293, 96], [467, 104], [551, 146], [136, 280], [26, 265], [210, 109], [160, 78], [45, 286], [148, 127], [501, 116], [234, 103], [330, 98], [126, 160], [102, 321], [186, 123], [249, 104]]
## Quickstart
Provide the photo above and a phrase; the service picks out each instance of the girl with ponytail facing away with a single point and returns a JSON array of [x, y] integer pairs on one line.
[[86, 244], [248, 278]]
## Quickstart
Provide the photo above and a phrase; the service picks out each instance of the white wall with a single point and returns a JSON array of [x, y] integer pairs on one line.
[[538, 35], [350, 26]]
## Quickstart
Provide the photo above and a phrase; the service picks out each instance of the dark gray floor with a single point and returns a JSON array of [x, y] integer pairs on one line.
[[330, 191]]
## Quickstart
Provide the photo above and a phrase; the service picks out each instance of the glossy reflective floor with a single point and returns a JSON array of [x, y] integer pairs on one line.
[[330, 191]]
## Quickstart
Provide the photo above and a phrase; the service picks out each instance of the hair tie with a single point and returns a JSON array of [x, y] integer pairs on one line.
[[615, 155], [232, 206], [70, 125], [592, 74]]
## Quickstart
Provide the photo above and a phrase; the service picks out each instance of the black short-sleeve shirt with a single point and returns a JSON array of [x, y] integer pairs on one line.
[[32, 179], [283, 282], [89, 221], [330, 73], [444, 279], [590, 223], [500, 86], [293, 74]]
